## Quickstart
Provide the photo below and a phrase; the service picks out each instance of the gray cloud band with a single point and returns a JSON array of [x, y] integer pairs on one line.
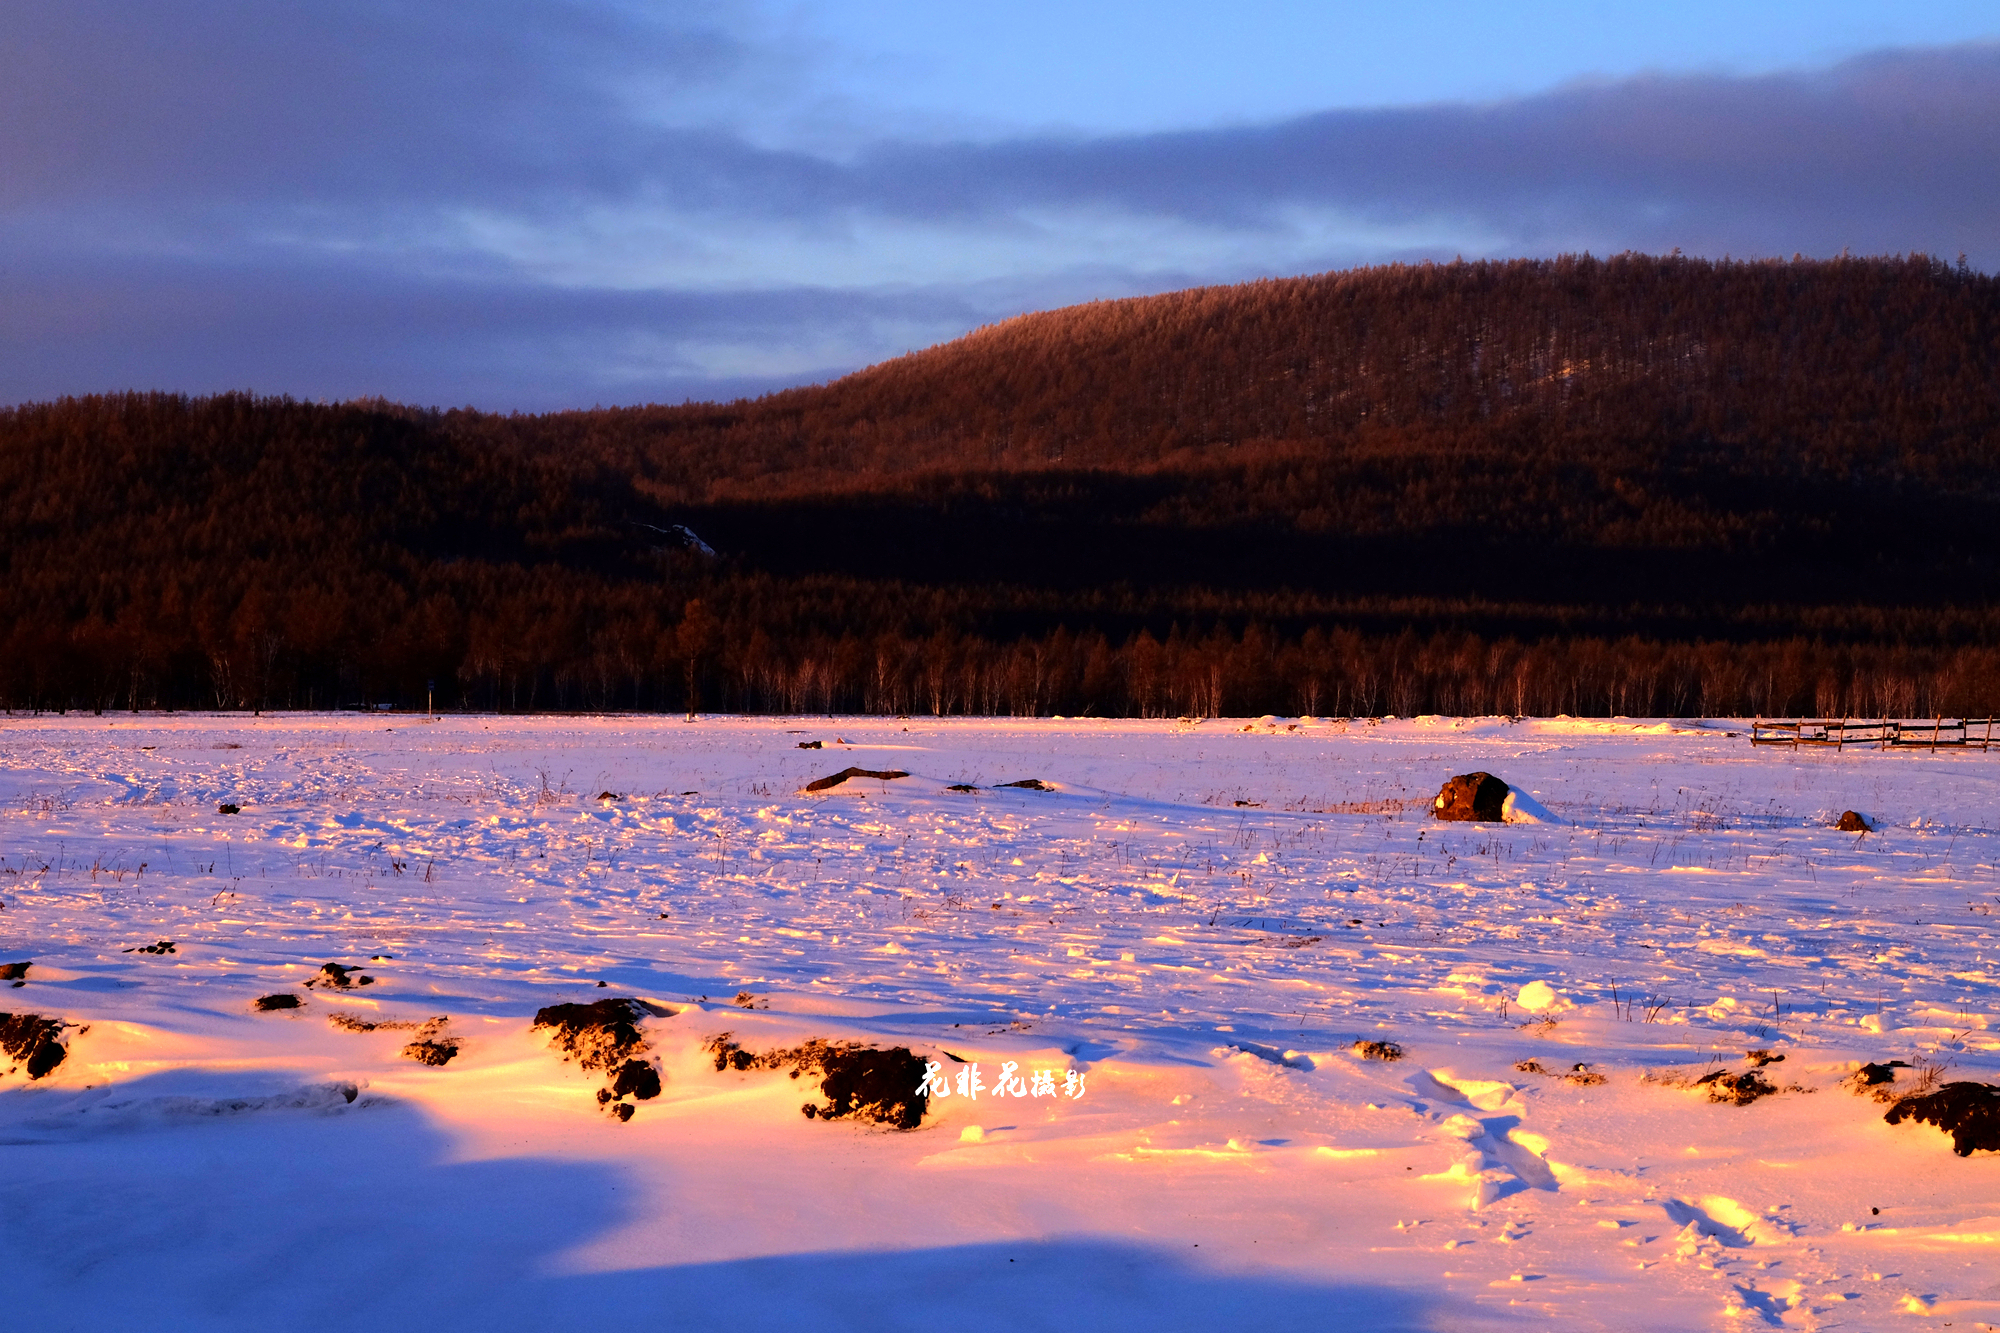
[[183, 228]]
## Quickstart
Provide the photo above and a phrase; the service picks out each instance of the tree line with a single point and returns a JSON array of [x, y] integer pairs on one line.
[[1639, 485]]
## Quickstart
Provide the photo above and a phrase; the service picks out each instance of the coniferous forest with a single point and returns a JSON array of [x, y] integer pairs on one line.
[[1643, 486]]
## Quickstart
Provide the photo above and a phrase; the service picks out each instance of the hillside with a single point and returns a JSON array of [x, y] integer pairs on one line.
[[1631, 485]]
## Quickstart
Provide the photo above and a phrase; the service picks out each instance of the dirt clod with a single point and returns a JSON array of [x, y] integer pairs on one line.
[[266, 1003], [1378, 1050], [1969, 1112], [885, 774], [1478, 797], [227, 809], [811, 745], [610, 796], [162, 947], [33, 1041]]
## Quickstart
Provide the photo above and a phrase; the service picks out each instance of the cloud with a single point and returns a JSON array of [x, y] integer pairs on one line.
[[537, 203], [1891, 152]]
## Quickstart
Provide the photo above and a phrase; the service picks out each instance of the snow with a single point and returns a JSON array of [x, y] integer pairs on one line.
[[1522, 808], [1202, 920]]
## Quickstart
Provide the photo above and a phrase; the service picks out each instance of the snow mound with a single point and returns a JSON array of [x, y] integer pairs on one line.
[[1521, 808], [1538, 997]]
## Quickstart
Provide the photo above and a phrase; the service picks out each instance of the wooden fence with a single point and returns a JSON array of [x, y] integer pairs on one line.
[[1967, 733]]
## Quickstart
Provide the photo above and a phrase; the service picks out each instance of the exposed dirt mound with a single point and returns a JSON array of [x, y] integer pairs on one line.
[[635, 1078], [812, 745], [884, 1087], [886, 774], [1969, 1112], [1031, 784], [961, 786], [1735, 1089], [439, 1050], [227, 809], [266, 1003], [1583, 1076], [1377, 1050], [610, 796], [431, 1045], [14, 971], [1479, 797], [1871, 1075], [339, 976], [604, 1038], [1851, 822], [33, 1041], [163, 946]]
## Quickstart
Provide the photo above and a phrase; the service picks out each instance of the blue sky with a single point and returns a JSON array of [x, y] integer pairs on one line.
[[529, 204]]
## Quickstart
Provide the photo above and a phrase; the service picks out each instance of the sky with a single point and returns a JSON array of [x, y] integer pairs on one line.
[[539, 204]]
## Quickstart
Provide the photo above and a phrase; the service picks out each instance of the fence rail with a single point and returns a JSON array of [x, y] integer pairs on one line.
[[1966, 733]]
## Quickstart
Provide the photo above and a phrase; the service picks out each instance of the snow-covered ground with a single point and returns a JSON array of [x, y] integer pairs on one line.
[[1199, 920]]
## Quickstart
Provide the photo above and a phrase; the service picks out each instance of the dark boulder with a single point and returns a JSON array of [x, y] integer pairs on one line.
[[1471, 796]]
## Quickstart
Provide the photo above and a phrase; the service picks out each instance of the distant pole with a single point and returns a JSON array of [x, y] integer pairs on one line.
[[430, 700]]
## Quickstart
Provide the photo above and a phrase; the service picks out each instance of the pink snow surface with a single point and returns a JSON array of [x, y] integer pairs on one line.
[[1202, 920]]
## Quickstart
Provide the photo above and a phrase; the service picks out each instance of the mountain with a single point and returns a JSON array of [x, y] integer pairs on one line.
[[1640, 484]]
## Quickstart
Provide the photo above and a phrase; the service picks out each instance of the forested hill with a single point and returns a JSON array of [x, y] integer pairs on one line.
[[1641, 485]]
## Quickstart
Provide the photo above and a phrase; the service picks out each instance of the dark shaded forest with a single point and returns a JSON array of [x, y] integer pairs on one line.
[[1644, 486]]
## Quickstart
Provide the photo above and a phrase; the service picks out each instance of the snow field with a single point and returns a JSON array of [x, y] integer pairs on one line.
[[1203, 919]]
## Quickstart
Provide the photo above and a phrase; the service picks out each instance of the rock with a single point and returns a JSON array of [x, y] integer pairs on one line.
[[1851, 821], [886, 775], [228, 809], [15, 971], [1477, 797], [1378, 1050], [266, 1003]]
